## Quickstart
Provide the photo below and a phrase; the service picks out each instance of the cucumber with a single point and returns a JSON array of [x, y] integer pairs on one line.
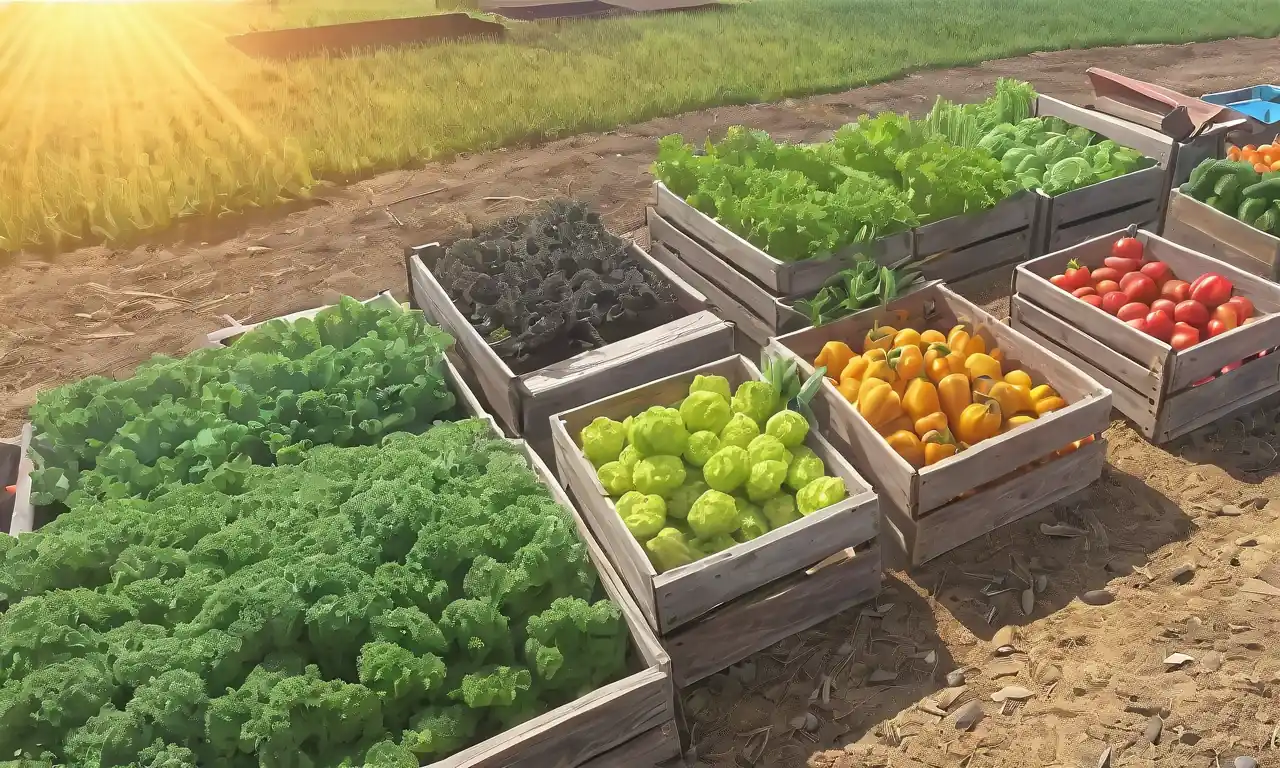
[[1267, 190], [1269, 221], [1251, 209]]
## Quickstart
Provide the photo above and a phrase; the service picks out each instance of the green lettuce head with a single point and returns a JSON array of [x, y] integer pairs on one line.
[[819, 494], [702, 446], [768, 448], [805, 468], [716, 384], [789, 427], [705, 411], [671, 548], [682, 498], [740, 431], [602, 440], [713, 544], [629, 457], [727, 469], [756, 399], [659, 475], [659, 432], [751, 520], [713, 513], [765, 480], [615, 477], [644, 515], [781, 509]]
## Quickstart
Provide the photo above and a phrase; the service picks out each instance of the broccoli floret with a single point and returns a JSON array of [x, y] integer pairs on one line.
[[574, 646]]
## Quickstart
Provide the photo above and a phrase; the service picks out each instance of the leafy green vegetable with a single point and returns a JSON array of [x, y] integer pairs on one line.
[[351, 375], [381, 605], [852, 290]]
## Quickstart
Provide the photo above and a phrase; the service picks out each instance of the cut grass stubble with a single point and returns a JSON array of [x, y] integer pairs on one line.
[[121, 119]]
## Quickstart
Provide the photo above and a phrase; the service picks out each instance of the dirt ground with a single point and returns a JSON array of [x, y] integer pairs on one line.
[[864, 689]]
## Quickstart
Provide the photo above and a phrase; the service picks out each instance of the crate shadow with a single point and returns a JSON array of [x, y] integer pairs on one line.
[[1123, 520], [1245, 445], [850, 673]]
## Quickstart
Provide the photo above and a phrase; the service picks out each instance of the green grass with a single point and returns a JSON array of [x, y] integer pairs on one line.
[[121, 119]]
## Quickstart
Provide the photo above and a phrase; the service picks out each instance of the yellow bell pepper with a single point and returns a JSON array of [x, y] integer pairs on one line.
[[958, 339], [872, 355], [1012, 400], [835, 355], [855, 369], [976, 346], [907, 337], [849, 388], [907, 362], [879, 369], [1017, 420], [1047, 404], [955, 361], [954, 396], [900, 423], [921, 399], [878, 403], [1041, 392], [979, 421], [931, 337], [1019, 377], [879, 337], [933, 422], [938, 445], [997, 354], [982, 364], [982, 385], [908, 446]]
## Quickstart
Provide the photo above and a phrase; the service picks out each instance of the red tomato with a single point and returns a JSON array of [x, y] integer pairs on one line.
[[1191, 312], [1157, 271], [1134, 310], [1093, 299], [1165, 306], [1226, 314], [1103, 287], [1184, 336], [1107, 273], [1077, 276], [1211, 289], [1159, 325], [1139, 323], [1127, 248], [1062, 282], [1139, 287], [1122, 265], [1232, 366], [1087, 290], [1176, 290], [1217, 328], [1244, 307], [1113, 301]]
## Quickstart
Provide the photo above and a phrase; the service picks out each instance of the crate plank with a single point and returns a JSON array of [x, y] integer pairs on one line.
[[1149, 142], [1226, 238], [1144, 215], [22, 514], [648, 750], [742, 288], [977, 260], [774, 613], [1008, 216], [985, 511], [1198, 406], [729, 308]]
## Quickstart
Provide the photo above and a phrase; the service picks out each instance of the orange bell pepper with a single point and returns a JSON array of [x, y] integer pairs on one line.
[[954, 396], [920, 399], [835, 355], [933, 422], [879, 337], [938, 445], [908, 446], [907, 362]]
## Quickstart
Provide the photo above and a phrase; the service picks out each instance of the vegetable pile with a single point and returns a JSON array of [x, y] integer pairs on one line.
[[1149, 297], [885, 174], [932, 396], [351, 375], [378, 606], [540, 288], [1239, 189], [718, 468], [853, 290]]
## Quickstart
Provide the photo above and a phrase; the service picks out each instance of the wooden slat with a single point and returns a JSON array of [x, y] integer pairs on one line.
[[1032, 281], [1068, 335], [688, 298], [1071, 208], [1151, 143], [1144, 215], [965, 520], [978, 260], [728, 279], [648, 750], [1195, 407], [1140, 409], [493, 376], [778, 611], [743, 319], [1008, 216], [1226, 238], [668, 349], [23, 517]]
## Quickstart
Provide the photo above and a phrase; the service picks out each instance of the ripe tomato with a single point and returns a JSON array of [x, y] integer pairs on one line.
[[1243, 307], [1138, 323], [1062, 282], [1092, 299], [1139, 287], [1158, 271], [1077, 276], [1165, 306], [1103, 287], [1113, 301], [1134, 310], [1176, 290], [1191, 312], [1159, 325], [1211, 289], [1184, 336], [1083, 291], [1226, 314], [1127, 248], [1107, 273]]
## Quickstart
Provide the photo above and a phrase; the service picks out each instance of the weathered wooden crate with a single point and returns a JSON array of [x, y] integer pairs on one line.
[[1207, 230], [524, 403], [974, 246], [1153, 384], [781, 278], [717, 611], [1135, 198], [631, 722], [997, 481]]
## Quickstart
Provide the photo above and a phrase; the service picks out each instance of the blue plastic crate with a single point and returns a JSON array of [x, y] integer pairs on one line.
[[1261, 102]]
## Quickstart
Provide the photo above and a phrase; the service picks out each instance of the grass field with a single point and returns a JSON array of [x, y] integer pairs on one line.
[[120, 118]]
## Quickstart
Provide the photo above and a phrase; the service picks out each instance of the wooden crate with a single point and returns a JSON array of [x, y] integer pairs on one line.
[[717, 611], [976, 245], [782, 278], [1207, 230], [524, 403], [1153, 384], [1135, 198], [929, 507]]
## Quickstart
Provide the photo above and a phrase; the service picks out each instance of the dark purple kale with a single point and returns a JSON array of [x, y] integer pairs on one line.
[[548, 285]]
